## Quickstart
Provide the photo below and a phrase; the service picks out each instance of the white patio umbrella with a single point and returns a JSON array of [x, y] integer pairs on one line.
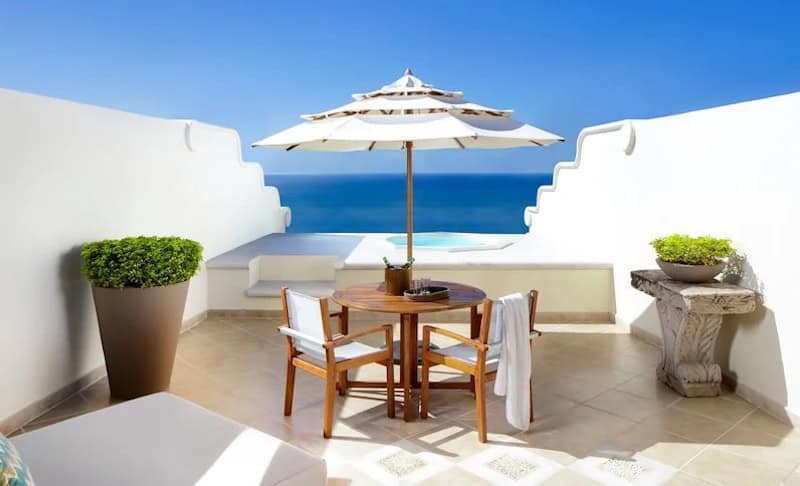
[[409, 114]]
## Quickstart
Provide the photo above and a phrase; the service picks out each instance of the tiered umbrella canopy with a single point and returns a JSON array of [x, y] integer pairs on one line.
[[409, 114]]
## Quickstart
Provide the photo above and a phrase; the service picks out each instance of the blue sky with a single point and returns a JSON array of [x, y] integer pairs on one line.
[[255, 66]]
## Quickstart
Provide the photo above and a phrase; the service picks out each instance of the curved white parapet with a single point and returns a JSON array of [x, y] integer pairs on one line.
[[187, 134], [286, 211], [198, 136], [628, 140]]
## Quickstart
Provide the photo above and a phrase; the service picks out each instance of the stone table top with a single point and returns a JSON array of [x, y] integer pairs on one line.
[[702, 298]]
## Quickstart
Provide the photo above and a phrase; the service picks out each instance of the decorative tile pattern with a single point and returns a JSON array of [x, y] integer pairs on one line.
[[514, 467], [627, 470], [510, 465], [401, 463], [620, 468]]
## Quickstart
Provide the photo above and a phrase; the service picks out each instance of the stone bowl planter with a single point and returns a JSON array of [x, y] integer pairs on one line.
[[690, 273]]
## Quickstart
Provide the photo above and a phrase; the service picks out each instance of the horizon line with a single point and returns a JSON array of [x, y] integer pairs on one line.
[[403, 173]]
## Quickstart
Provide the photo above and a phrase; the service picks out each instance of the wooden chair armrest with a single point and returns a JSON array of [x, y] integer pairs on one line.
[[427, 330], [340, 339]]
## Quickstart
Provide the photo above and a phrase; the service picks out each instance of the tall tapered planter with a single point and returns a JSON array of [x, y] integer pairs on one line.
[[139, 330], [139, 286]]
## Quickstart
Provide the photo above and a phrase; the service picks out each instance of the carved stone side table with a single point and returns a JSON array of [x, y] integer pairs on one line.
[[691, 317]]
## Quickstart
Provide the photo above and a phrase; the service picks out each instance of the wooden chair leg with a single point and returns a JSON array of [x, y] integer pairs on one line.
[[342, 384], [288, 396], [330, 395], [424, 389], [390, 388], [480, 407], [531, 389]]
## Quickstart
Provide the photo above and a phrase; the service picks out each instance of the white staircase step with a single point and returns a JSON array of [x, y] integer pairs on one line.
[[272, 288]]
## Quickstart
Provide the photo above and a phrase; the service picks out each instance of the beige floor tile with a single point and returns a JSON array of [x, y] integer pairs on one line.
[[586, 421], [688, 425], [573, 389], [639, 366], [455, 476], [683, 479], [348, 442], [652, 442], [763, 422], [781, 452], [650, 388], [531, 444], [455, 441], [792, 479], [606, 377], [452, 403], [495, 419], [71, 407], [263, 328], [625, 405], [214, 327], [576, 432], [726, 469], [550, 405], [728, 411], [345, 474], [404, 429], [566, 477], [562, 446]]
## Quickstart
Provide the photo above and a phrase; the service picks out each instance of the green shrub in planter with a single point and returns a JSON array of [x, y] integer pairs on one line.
[[684, 249], [140, 262]]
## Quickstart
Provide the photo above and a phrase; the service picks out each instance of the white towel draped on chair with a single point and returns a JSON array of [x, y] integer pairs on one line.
[[510, 330]]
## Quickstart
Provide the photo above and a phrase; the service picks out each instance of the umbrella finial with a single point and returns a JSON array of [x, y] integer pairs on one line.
[[408, 72]]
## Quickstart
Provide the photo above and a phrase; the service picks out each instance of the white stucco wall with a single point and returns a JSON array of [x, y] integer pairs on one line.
[[729, 171], [70, 173]]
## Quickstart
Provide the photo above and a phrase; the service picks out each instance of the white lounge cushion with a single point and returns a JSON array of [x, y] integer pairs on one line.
[[163, 440], [469, 354]]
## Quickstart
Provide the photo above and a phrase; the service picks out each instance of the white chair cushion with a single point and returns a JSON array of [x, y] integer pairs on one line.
[[470, 354], [346, 351]]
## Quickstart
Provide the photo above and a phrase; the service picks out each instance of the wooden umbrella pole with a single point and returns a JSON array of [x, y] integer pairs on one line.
[[409, 201]]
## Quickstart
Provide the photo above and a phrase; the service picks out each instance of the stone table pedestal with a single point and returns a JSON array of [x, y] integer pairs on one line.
[[691, 317]]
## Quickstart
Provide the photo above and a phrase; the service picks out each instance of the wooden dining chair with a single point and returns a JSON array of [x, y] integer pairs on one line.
[[311, 346], [475, 356]]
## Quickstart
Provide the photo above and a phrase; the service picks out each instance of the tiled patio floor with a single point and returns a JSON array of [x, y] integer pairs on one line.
[[601, 418]]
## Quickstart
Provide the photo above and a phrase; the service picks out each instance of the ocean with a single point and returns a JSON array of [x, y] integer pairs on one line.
[[364, 203]]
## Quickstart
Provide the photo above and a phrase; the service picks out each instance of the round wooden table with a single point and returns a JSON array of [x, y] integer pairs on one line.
[[371, 297]]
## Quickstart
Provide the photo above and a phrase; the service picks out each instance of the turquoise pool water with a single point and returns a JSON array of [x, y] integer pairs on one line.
[[439, 240]]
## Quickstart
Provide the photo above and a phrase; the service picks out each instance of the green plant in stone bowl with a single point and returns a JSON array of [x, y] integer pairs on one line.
[[140, 262], [692, 259], [687, 250]]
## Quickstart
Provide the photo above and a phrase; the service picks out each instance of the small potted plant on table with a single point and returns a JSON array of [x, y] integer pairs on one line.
[[139, 287], [692, 260], [397, 278]]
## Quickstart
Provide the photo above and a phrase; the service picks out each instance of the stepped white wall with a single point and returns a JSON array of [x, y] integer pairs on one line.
[[730, 171], [70, 173]]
